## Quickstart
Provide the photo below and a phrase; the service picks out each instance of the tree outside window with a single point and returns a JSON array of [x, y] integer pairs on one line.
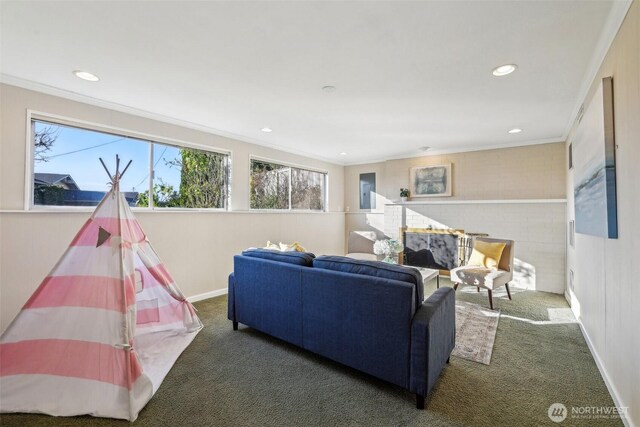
[[276, 186], [67, 171]]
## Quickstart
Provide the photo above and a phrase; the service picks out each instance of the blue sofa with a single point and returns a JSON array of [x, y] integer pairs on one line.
[[364, 314]]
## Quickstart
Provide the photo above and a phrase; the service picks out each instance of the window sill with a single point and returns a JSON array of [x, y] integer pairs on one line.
[[426, 201], [165, 211]]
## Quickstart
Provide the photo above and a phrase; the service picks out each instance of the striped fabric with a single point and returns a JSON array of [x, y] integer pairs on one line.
[[102, 330]]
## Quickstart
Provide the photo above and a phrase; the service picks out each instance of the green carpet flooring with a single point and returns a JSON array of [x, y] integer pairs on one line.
[[245, 378]]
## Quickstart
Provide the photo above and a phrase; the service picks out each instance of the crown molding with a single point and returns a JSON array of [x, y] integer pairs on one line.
[[611, 27], [463, 149], [77, 97], [114, 106]]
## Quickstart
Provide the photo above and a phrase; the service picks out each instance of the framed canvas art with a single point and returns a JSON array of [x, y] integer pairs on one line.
[[594, 163], [430, 181]]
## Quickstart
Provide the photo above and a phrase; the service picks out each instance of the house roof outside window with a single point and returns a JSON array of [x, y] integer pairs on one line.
[[63, 180]]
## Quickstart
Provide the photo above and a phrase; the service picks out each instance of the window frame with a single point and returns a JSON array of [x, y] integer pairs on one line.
[[150, 139], [296, 166]]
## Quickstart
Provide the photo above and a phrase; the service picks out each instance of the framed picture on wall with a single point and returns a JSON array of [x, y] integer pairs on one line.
[[594, 158], [430, 181]]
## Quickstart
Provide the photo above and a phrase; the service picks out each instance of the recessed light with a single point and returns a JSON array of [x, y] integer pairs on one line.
[[343, 154], [503, 70], [85, 75], [515, 130], [328, 89], [267, 130]]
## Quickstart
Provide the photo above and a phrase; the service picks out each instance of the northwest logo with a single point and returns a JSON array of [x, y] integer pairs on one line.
[[557, 412]]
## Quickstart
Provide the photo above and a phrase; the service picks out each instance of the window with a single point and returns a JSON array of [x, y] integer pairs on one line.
[[187, 178], [67, 170], [276, 186]]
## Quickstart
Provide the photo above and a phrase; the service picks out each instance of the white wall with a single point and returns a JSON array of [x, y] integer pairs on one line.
[[536, 228], [503, 178], [198, 247], [606, 293]]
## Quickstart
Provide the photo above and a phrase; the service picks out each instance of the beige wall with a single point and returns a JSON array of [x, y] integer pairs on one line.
[[529, 172], [198, 247], [14, 103], [536, 173], [352, 186], [355, 219], [606, 292]]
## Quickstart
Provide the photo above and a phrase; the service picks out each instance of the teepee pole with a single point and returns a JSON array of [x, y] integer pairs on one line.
[[106, 169], [127, 323], [117, 176], [125, 168]]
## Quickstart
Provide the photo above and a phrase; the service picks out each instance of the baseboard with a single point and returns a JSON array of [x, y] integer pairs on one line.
[[207, 295], [612, 390]]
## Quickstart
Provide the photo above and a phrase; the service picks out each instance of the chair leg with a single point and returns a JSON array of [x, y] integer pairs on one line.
[[419, 401], [490, 298], [477, 288], [508, 291], [455, 286], [438, 281], [235, 326], [449, 359]]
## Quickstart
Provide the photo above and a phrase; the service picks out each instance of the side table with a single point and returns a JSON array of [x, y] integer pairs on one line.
[[428, 274]]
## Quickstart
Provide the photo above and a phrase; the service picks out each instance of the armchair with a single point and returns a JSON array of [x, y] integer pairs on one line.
[[484, 277]]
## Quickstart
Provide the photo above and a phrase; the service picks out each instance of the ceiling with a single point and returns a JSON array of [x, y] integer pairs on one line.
[[407, 74]]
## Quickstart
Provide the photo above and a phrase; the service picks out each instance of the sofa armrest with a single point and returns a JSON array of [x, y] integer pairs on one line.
[[433, 336], [231, 300]]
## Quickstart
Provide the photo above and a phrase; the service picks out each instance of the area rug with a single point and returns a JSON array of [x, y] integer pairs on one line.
[[476, 328]]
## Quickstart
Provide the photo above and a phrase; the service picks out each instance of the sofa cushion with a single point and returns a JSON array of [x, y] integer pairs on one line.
[[297, 258], [379, 269]]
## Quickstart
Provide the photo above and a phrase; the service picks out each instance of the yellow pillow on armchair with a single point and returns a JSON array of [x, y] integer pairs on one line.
[[486, 254]]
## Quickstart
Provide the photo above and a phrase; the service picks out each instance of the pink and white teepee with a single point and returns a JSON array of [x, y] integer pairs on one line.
[[102, 330]]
